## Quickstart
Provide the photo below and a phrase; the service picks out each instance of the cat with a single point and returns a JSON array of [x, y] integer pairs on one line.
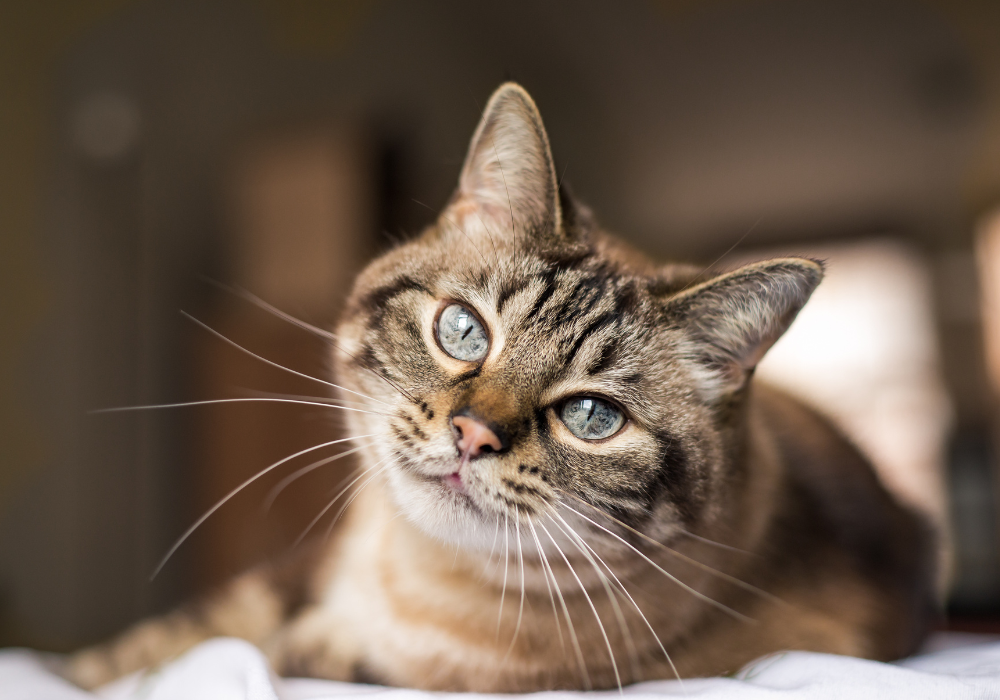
[[571, 480]]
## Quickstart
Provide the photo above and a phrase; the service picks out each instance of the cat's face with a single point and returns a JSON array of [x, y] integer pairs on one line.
[[514, 362], [569, 367]]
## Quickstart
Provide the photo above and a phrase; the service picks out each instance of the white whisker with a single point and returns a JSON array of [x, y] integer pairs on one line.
[[207, 402], [600, 623], [720, 545], [320, 399], [546, 572], [347, 504], [612, 594], [694, 562], [493, 548], [275, 364], [520, 560], [329, 505], [696, 593], [636, 605], [284, 316], [272, 496], [569, 622], [506, 561], [225, 499], [593, 608]]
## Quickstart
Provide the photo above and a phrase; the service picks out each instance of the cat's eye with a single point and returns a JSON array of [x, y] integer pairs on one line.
[[590, 418], [461, 334]]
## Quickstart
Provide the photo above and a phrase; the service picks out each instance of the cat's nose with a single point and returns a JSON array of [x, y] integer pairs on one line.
[[473, 437]]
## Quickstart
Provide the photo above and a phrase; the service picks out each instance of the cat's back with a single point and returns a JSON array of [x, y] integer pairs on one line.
[[833, 506]]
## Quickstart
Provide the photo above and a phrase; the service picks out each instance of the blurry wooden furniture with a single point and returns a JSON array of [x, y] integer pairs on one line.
[[300, 209]]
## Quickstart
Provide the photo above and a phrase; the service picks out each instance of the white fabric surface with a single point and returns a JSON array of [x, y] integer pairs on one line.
[[229, 669]]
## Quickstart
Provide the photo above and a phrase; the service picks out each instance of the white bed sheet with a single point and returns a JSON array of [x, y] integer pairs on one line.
[[959, 666]]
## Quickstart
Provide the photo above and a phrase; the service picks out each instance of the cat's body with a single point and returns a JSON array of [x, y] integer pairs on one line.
[[534, 387]]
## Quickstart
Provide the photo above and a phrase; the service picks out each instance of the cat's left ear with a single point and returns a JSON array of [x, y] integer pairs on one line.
[[508, 183], [732, 320]]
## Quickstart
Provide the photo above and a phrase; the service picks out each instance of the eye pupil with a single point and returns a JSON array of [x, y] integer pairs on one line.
[[591, 418], [461, 335]]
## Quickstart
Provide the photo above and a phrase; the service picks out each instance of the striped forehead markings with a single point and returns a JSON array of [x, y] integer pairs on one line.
[[549, 288], [509, 289], [378, 297], [601, 322], [581, 300]]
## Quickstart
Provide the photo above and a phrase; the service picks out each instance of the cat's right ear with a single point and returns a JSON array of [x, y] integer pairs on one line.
[[508, 186], [732, 320]]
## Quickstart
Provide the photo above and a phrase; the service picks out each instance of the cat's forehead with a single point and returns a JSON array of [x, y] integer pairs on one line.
[[582, 322], [507, 281]]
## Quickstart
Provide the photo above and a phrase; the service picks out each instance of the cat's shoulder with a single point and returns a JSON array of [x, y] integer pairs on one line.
[[834, 492]]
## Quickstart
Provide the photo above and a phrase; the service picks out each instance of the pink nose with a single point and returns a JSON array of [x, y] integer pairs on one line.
[[474, 438]]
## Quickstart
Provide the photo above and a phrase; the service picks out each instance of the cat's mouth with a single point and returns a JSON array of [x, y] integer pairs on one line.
[[455, 488], [451, 486], [455, 482]]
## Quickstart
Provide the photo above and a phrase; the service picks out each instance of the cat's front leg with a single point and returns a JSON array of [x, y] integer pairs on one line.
[[316, 644], [249, 607]]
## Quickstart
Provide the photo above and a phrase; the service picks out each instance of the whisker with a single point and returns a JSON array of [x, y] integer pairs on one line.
[[321, 399], [729, 250], [496, 255], [249, 296], [329, 505], [693, 591], [493, 547], [506, 561], [451, 221], [252, 298], [272, 496], [347, 504], [576, 539], [593, 608], [225, 499], [520, 559], [720, 545], [569, 622], [634, 603], [545, 574], [236, 345], [513, 231], [206, 402], [749, 587]]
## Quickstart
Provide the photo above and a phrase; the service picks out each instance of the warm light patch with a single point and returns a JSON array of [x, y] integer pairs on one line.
[[864, 351], [988, 257]]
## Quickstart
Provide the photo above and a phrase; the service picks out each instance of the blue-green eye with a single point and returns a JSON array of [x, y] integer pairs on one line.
[[591, 419], [461, 334]]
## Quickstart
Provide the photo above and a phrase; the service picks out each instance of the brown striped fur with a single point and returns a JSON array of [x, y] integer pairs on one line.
[[737, 521]]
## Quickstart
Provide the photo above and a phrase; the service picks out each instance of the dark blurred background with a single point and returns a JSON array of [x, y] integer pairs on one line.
[[148, 149]]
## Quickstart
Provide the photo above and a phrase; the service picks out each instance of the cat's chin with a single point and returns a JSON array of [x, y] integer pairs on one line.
[[444, 510]]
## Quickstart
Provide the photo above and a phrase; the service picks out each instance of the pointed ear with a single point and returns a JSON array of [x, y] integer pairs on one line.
[[732, 320], [508, 172]]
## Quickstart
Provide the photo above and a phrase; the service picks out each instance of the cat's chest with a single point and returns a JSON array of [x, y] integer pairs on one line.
[[395, 612]]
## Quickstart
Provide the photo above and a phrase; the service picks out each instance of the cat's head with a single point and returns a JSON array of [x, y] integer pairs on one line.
[[517, 358]]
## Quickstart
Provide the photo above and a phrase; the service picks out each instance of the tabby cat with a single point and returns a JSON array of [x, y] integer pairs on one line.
[[572, 482]]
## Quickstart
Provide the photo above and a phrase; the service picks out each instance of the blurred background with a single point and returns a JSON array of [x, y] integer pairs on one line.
[[152, 150]]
